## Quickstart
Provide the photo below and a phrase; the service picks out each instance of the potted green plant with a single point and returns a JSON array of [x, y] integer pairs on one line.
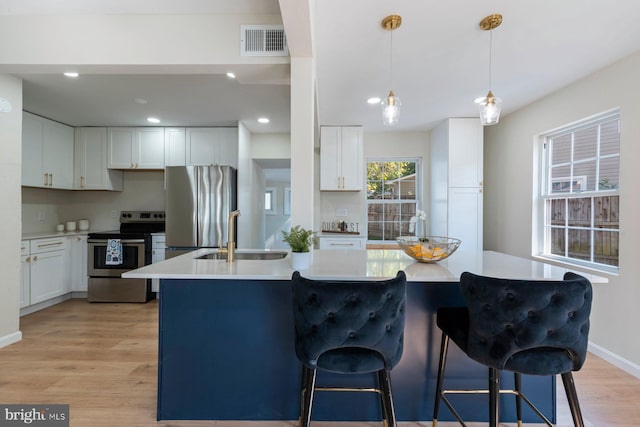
[[300, 241]]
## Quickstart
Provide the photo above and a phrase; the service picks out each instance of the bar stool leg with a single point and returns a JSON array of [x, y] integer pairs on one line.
[[517, 380], [444, 345], [494, 397], [306, 395], [572, 398], [387, 400]]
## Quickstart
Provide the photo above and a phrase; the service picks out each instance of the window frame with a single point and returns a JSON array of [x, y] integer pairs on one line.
[[542, 246], [274, 200], [418, 190]]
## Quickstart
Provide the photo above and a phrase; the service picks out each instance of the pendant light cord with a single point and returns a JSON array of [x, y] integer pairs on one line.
[[490, 49], [391, 59]]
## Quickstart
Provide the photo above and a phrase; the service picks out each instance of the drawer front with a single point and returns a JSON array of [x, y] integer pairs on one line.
[[48, 245], [342, 243]]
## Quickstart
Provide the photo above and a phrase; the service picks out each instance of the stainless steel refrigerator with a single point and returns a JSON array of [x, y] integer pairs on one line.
[[198, 202]]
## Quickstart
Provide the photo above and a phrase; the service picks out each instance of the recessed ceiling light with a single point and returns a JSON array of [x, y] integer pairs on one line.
[[374, 100], [231, 75], [263, 120], [71, 74], [140, 100], [153, 120]]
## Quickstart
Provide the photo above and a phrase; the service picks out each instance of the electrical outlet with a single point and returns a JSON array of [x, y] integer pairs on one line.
[[41, 216]]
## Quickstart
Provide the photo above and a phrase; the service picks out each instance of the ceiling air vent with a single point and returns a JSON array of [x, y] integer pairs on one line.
[[263, 40]]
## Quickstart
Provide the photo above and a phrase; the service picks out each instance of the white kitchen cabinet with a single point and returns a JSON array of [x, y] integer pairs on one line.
[[90, 161], [78, 263], [212, 146], [340, 242], [47, 153], [25, 274], [341, 158], [135, 148], [456, 182], [48, 268], [175, 147]]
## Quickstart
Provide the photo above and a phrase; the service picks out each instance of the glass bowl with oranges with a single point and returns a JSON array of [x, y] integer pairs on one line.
[[428, 249]]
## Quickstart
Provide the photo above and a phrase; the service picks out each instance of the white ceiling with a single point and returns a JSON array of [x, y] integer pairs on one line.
[[440, 62]]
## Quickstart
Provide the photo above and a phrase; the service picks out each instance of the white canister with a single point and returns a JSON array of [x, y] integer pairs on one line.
[[60, 227], [83, 224], [70, 226]]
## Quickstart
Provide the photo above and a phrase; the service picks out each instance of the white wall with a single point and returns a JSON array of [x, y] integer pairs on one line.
[[376, 145], [278, 221], [510, 165], [10, 222]]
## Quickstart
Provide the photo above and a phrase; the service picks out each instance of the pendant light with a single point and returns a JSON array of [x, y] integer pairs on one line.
[[490, 105], [391, 104]]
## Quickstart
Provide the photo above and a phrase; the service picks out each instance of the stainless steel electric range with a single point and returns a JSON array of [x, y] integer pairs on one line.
[[133, 243]]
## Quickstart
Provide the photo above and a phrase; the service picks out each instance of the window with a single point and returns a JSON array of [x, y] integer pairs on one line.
[[270, 201], [580, 195], [393, 195]]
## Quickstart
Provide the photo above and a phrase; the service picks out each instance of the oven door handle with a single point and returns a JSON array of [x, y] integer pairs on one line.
[[124, 241]]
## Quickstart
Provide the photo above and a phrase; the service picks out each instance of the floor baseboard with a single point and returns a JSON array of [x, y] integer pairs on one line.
[[617, 361], [10, 339]]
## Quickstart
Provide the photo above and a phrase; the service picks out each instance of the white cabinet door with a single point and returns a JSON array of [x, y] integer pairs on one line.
[[90, 162], [78, 263], [227, 146], [25, 280], [175, 147], [351, 158], [341, 158], [330, 168], [47, 153], [212, 146], [465, 217], [352, 243], [120, 148], [47, 275], [465, 152], [149, 148], [58, 154], [33, 174]]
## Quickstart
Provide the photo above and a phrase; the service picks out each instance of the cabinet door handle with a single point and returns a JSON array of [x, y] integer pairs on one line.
[[35, 258], [28, 259], [342, 244], [131, 167], [46, 179], [78, 238], [50, 180], [82, 182]]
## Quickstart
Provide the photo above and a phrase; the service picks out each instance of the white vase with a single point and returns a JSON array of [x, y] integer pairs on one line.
[[300, 260]]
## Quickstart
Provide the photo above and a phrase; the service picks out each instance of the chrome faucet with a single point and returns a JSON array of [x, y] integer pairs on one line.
[[231, 243]]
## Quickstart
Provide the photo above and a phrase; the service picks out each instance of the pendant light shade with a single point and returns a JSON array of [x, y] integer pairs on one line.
[[391, 110], [391, 104], [490, 106]]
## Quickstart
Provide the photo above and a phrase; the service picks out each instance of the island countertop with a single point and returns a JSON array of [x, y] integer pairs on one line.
[[339, 264]]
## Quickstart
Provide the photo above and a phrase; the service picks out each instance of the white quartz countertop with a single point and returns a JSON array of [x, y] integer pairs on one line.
[[340, 264], [47, 234]]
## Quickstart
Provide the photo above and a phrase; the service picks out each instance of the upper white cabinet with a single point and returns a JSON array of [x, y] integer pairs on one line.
[[457, 182], [341, 158], [175, 147], [135, 148], [212, 146], [47, 153], [90, 161]]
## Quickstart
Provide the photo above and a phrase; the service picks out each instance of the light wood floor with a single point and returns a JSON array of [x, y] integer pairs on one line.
[[102, 360]]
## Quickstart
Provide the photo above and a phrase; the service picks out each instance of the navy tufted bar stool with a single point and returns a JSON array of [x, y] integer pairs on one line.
[[526, 327], [349, 327]]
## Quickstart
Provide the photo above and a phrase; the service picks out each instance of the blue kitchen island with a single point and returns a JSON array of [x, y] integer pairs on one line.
[[226, 342]]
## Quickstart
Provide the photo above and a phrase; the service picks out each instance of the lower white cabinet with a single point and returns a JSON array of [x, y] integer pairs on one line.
[[25, 274], [48, 266], [326, 242], [78, 263]]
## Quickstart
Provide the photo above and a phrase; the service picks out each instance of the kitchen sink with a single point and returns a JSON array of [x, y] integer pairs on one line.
[[248, 255]]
